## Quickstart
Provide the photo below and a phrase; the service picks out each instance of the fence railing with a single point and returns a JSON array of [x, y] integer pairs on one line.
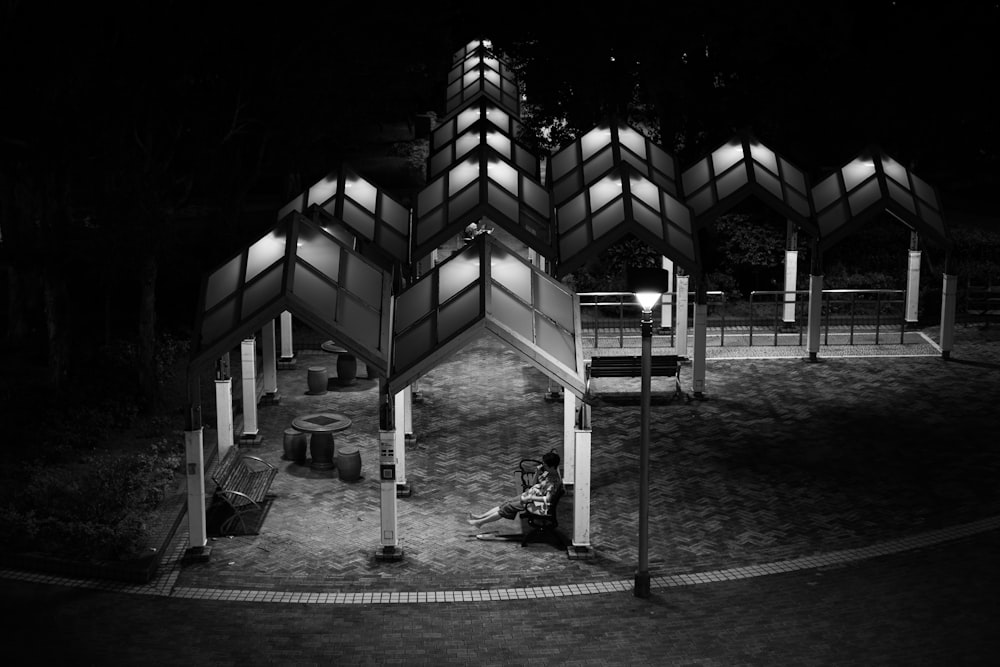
[[771, 317]]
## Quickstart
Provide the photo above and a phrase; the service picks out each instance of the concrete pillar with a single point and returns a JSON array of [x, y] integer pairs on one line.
[[248, 364], [791, 270], [949, 298], [388, 548], [580, 547], [913, 288], [399, 443], [682, 315], [269, 363], [667, 300], [287, 360], [815, 315], [700, 339], [408, 435], [195, 458], [569, 437], [224, 407]]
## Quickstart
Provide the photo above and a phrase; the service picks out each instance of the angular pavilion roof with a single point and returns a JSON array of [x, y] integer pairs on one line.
[[477, 71], [487, 287], [483, 184], [482, 123], [744, 167], [869, 184], [300, 267]]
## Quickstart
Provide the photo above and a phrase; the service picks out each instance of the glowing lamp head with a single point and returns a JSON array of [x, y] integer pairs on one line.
[[648, 299], [648, 284]]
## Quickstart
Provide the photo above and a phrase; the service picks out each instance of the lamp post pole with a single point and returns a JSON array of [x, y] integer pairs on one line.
[[642, 574]]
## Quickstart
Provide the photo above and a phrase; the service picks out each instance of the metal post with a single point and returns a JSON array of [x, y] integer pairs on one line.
[[642, 574]]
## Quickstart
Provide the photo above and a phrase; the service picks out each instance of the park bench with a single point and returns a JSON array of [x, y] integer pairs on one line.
[[243, 482], [663, 365], [542, 526]]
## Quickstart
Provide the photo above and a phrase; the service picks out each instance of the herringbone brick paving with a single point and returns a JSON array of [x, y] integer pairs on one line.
[[785, 458]]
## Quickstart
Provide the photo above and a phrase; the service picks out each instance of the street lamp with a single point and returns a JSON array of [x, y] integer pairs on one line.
[[648, 284]]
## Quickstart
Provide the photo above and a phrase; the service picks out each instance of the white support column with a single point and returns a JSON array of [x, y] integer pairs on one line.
[[667, 300], [580, 547], [913, 287], [700, 339], [248, 365], [949, 297], [389, 539], [791, 271], [408, 435], [270, 365], [195, 458], [287, 360], [569, 437], [224, 415], [682, 315], [815, 314], [399, 442]]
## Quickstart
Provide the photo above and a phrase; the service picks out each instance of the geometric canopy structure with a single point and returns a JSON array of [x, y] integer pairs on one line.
[[742, 167], [612, 182], [300, 267], [475, 72], [487, 286], [871, 183]]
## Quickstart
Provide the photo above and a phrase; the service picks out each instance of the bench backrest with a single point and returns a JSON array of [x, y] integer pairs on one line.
[[631, 366]]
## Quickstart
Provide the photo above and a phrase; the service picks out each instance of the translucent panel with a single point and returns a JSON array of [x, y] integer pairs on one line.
[[470, 78], [632, 140], [428, 226], [491, 62], [924, 191], [341, 234], [825, 192], [865, 196], [492, 77], [319, 250], [458, 315], [701, 201], [525, 161], [357, 321], [727, 156], [833, 218], [361, 221], [595, 140], [466, 118], [645, 191], [765, 156], [597, 167], [608, 219], [856, 172], [677, 213], [604, 191], [504, 175], [498, 117], [363, 280], [362, 192], [662, 162], [457, 273], [266, 251], [442, 135], [535, 196], [635, 162], [652, 222], [461, 175], [555, 303], [395, 215], [396, 247], [431, 196], [294, 205], [562, 163], [414, 303], [413, 345], [511, 313], [319, 294], [223, 282], [769, 181], [895, 171], [322, 190], [440, 161], [467, 142], [218, 323], [566, 188], [571, 213], [503, 202], [262, 291], [454, 88], [683, 243], [793, 176], [557, 342], [696, 177], [902, 196], [730, 182], [512, 273], [573, 242], [499, 143], [463, 204], [798, 202]]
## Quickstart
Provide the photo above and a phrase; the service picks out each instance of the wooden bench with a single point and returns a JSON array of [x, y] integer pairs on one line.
[[663, 365], [242, 482]]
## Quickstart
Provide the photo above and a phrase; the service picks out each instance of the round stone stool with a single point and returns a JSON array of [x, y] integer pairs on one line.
[[317, 379], [322, 448], [347, 369], [295, 444], [349, 464]]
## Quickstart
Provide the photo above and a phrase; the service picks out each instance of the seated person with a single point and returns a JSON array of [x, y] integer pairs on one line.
[[537, 498]]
